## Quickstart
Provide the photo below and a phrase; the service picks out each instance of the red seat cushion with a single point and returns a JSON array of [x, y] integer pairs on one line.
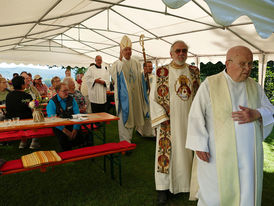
[[12, 135], [12, 165], [125, 144], [88, 151]]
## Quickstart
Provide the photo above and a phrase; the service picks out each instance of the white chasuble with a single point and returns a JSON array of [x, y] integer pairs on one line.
[[172, 171], [201, 138]]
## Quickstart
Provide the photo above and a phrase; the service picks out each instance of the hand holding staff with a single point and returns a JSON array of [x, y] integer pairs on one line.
[[145, 61]]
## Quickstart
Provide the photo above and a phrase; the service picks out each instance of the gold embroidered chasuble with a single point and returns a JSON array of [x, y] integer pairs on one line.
[[185, 87], [225, 141]]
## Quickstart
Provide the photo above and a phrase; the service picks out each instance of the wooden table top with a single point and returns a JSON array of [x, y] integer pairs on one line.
[[50, 122]]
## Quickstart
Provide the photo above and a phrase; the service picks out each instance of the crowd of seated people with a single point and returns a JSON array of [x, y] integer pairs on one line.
[[19, 91]]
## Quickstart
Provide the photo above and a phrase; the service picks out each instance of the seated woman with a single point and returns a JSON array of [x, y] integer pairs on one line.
[[17, 105], [76, 94], [54, 82], [3, 90]]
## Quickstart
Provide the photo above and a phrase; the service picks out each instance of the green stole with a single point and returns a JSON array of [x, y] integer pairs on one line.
[[225, 141]]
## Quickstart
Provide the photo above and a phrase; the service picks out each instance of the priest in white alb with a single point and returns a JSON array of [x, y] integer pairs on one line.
[[129, 100], [172, 93], [97, 79], [229, 119]]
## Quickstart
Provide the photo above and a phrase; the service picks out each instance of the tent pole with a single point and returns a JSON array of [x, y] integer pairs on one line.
[[115, 42], [262, 70], [198, 62], [108, 19], [45, 14], [91, 47], [53, 18], [154, 11]]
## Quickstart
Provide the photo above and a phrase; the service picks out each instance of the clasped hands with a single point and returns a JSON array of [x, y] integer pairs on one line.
[[71, 134], [246, 115], [99, 81]]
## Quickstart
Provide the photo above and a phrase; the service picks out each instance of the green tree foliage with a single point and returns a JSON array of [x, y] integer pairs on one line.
[[209, 69], [269, 81], [77, 70]]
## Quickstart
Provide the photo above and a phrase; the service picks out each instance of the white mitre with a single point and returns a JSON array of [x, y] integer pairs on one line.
[[125, 42]]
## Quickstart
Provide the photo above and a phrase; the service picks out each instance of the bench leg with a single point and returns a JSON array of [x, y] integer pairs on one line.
[[120, 168], [111, 166], [104, 132], [105, 162]]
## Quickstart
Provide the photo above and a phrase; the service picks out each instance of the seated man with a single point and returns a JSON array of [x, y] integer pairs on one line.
[[65, 106]]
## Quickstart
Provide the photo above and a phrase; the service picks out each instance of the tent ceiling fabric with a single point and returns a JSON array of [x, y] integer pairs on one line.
[[73, 32], [227, 11]]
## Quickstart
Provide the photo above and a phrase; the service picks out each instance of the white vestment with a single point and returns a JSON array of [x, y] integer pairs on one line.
[[178, 178], [146, 130], [97, 93], [128, 72], [200, 137]]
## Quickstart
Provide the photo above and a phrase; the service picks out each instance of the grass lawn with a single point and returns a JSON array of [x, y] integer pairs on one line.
[[84, 183]]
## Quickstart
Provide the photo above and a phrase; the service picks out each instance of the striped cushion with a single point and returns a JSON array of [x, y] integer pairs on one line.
[[38, 158]]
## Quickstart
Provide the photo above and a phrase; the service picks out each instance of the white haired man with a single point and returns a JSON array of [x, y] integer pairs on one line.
[[172, 93]]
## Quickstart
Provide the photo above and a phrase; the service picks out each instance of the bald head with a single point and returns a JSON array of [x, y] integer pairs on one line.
[[98, 60], [236, 51], [239, 61]]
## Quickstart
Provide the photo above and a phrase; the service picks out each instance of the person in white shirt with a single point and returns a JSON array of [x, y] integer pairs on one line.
[[97, 80]]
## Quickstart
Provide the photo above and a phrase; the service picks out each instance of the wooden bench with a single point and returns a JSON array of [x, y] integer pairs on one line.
[[110, 149]]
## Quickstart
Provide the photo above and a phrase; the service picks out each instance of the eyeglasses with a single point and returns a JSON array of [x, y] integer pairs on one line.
[[178, 51], [243, 65]]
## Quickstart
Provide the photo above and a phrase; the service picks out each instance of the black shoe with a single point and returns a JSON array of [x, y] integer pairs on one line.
[[162, 197]]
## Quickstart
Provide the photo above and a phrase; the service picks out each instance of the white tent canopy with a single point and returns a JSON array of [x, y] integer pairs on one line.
[[73, 32]]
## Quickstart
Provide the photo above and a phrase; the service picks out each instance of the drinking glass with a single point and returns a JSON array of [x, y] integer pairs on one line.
[[7, 121], [53, 116], [15, 120]]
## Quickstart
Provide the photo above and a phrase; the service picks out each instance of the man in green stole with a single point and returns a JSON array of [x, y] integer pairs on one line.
[[229, 118]]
